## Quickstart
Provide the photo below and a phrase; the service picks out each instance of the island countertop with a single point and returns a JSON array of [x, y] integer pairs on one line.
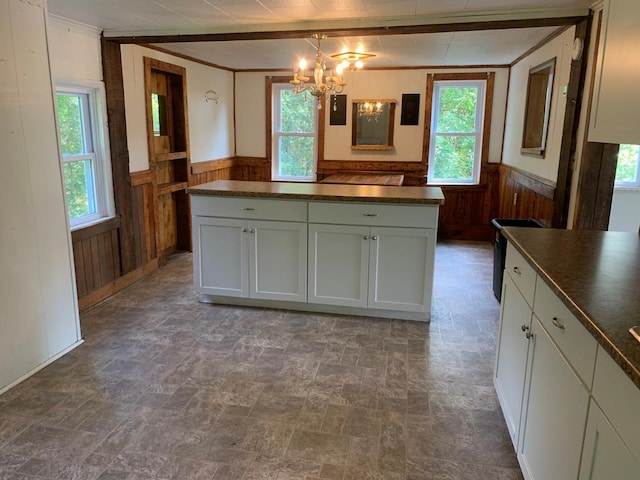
[[321, 191], [597, 276]]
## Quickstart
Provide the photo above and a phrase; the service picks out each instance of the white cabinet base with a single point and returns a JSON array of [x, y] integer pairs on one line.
[[314, 307]]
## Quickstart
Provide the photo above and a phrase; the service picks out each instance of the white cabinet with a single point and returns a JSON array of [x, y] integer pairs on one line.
[[606, 456], [612, 440], [250, 258], [615, 113], [375, 267], [359, 258], [554, 413], [338, 265], [511, 358]]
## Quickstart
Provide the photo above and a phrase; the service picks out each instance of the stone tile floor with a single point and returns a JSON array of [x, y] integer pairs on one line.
[[167, 388]]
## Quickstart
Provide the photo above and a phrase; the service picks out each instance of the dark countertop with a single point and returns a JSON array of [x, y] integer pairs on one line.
[[322, 191], [597, 276]]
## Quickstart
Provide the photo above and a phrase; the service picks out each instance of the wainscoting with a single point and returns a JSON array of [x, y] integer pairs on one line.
[[503, 192], [523, 195]]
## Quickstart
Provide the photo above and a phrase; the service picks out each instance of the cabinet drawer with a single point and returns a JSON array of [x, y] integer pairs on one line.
[[425, 216], [250, 208], [522, 274], [572, 338], [619, 399]]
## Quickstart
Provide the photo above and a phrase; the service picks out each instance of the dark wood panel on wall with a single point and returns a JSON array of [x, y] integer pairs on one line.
[[468, 210], [237, 168], [96, 255], [524, 195]]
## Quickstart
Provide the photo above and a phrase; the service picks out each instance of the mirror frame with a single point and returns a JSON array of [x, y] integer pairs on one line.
[[354, 125], [538, 109]]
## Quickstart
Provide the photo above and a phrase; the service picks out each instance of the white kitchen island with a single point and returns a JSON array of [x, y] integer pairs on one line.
[[352, 249]]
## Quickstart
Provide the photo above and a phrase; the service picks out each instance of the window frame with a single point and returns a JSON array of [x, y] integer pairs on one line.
[[276, 134], [95, 128], [483, 120]]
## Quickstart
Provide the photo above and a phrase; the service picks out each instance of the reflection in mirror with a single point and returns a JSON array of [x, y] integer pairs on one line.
[[537, 109], [159, 114], [372, 124]]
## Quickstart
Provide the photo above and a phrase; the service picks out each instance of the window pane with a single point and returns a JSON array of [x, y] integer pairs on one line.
[[296, 156], [79, 188], [627, 168], [453, 157], [457, 109], [296, 112], [70, 121]]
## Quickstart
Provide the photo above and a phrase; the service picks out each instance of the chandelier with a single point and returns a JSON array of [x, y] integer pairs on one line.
[[329, 84]]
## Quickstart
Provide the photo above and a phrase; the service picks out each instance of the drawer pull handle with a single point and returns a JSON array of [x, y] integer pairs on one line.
[[370, 214], [525, 328], [556, 323], [517, 270], [248, 209]]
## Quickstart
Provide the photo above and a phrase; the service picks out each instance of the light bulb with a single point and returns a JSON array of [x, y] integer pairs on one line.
[[359, 64], [339, 69], [302, 64]]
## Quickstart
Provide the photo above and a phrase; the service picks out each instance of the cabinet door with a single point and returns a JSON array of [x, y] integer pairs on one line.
[[220, 256], [511, 359], [400, 268], [338, 264], [615, 115], [278, 260], [554, 413], [605, 454]]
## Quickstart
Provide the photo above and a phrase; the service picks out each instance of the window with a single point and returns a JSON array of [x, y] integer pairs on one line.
[[456, 139], [83, 155], [628, 167], [294, 134]]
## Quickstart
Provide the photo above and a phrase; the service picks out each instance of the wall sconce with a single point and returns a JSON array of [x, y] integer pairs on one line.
[[211, 96]]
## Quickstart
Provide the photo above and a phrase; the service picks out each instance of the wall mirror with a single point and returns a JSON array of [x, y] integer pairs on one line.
[[537, 109], [372, 124]]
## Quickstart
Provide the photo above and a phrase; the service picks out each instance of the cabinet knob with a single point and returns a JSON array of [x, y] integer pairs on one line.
[[556, 323], [244, 230], [366, 237], [253, 230], [525, 328], [517, 270], [375, 237], [529, 335]]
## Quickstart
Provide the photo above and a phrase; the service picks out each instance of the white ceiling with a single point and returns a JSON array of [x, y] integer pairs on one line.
[[175, 17]]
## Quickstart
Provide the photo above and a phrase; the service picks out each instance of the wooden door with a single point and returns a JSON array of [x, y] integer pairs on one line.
[[168, 143]]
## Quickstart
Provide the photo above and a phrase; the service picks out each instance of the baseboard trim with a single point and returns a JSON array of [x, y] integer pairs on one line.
[[115, 286]]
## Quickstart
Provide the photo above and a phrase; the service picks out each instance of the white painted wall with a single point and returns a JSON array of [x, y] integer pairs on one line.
[[547, 167], [75, 52], [625, 210], [211, 125], [39, 316], [408, 139]]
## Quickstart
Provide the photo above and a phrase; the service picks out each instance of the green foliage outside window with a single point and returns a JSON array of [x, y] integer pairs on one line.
[[455, 150], [296, 152], [78, 174], [627, 167]]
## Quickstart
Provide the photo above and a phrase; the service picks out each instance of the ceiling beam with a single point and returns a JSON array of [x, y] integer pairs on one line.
[[349, 32]]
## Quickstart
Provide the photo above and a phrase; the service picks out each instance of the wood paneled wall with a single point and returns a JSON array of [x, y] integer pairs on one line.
[[523, 195]]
